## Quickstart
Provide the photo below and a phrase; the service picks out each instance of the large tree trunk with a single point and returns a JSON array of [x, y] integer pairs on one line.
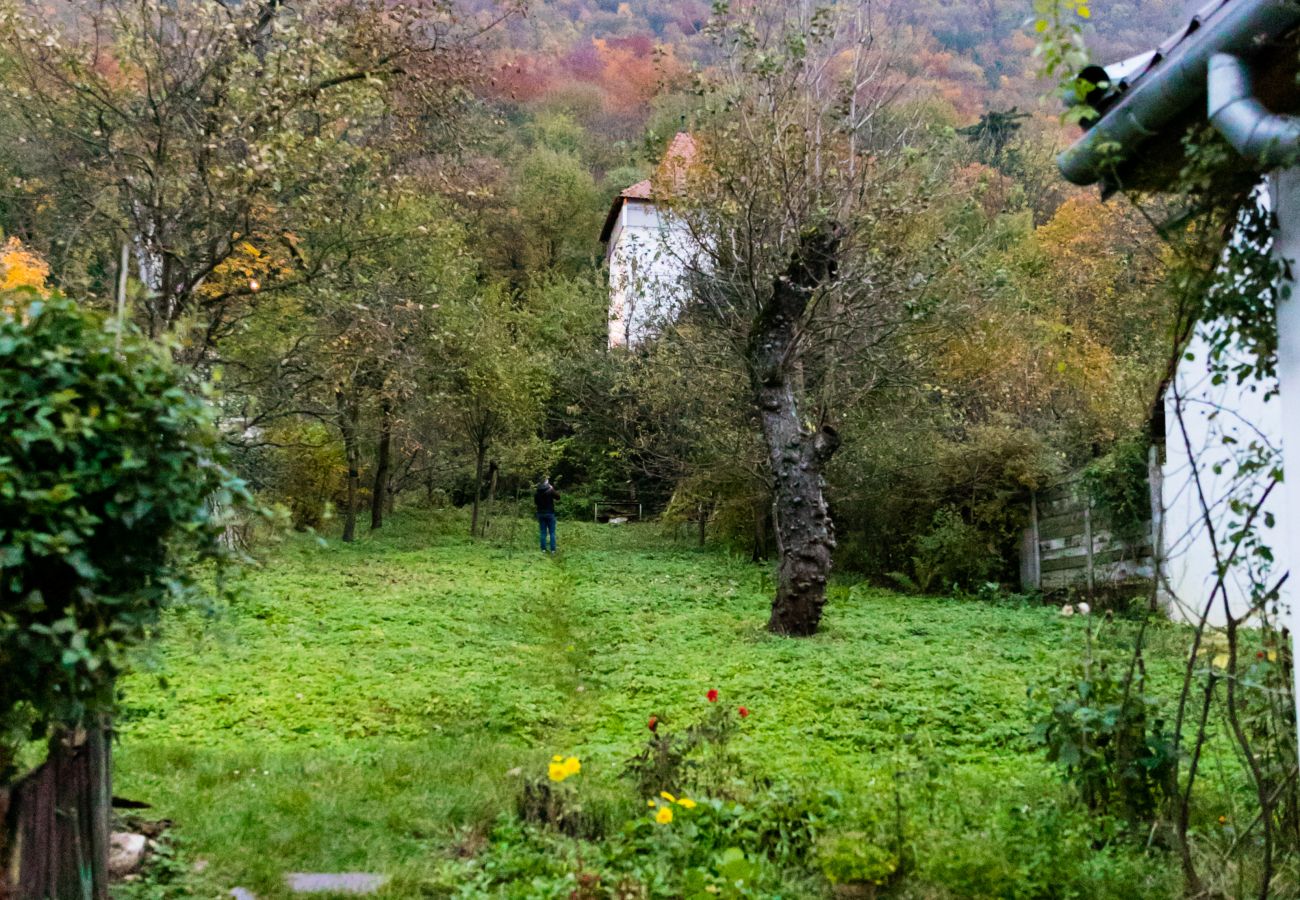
[[59, 818], [805, 534], [796, 454], [349, 415], [379, 493]]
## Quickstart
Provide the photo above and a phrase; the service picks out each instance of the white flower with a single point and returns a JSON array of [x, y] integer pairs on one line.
[[1084, 609], [1067, 610]]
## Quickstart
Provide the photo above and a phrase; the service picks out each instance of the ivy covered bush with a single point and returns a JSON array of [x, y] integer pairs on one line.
[[110, 473], [1118, 483]]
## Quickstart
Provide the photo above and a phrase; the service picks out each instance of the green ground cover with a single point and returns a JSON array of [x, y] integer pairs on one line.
[[362, 708]]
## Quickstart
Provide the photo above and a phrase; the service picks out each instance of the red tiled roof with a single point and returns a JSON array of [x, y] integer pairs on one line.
[[639, 191], [677, 160], [681, 152]]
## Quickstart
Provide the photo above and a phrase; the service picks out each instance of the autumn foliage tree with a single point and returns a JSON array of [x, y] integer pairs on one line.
[[20, 267], [197, 134], [809, 247]]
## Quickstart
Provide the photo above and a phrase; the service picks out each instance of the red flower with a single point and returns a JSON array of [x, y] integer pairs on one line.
[[1259, 655], [744, 712], [712, 695], [653, 724]]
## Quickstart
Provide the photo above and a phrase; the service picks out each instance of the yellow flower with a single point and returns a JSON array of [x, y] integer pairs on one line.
[[667, 796], [650, 803], [561, 768], [686, 803], [665, 815]]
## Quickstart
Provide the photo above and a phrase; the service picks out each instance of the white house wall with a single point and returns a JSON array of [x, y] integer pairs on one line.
[[648, 254], [1210, 414]]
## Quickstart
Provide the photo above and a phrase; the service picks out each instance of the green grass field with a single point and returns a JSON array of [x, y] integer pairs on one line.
[[361, 706]]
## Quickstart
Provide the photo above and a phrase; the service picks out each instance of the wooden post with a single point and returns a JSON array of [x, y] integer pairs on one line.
[[1087, 539], [1031, 551], [61, 820], [1037, 555], [1156, 488]]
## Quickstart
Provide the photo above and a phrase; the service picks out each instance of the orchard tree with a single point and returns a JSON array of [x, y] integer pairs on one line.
[[351, 349], [811, 244], [192, 136], [559, 211], [495, 380]]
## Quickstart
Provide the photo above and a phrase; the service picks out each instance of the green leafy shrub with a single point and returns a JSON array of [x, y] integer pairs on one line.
[[1105, 732], [676, 847], [110, 478], [1119, 484], [305, 472], [953, 553], [696, 757], [851, 858], [892, 488], [574, 504]]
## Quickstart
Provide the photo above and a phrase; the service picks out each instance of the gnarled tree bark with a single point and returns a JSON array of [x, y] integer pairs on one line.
[[796, 453]]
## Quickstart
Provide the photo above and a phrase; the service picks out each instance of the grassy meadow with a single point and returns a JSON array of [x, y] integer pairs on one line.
[[371, 707]]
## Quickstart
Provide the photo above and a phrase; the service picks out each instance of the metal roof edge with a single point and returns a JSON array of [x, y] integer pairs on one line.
[[1173, 81]]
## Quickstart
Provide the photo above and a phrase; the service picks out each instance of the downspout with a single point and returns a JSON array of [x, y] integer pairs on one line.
[[1272, 141], [1262, 137]]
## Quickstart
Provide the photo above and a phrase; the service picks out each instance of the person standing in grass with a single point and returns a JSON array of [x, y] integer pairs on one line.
[[544, 497]]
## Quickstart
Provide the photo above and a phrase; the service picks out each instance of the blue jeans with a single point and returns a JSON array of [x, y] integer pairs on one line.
[[546, 526]]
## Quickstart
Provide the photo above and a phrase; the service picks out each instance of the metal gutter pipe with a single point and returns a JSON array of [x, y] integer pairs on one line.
[[1173, 85], [1263, 137]]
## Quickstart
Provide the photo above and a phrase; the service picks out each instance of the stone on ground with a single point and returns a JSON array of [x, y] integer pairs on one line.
[[340, 883], [125, 853]]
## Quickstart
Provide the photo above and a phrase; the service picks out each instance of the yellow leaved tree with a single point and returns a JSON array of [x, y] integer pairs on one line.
[[20, 267]]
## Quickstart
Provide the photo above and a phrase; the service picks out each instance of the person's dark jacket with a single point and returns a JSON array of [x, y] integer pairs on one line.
[[545, 498]]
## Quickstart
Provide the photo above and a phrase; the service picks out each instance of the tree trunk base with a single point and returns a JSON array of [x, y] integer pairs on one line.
[[797, 616], [58, 823]]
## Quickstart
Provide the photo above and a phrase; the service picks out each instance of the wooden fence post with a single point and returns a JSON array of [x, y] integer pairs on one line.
[[1156, 488], [1088, 542], [61, 820], [1031, 552]]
